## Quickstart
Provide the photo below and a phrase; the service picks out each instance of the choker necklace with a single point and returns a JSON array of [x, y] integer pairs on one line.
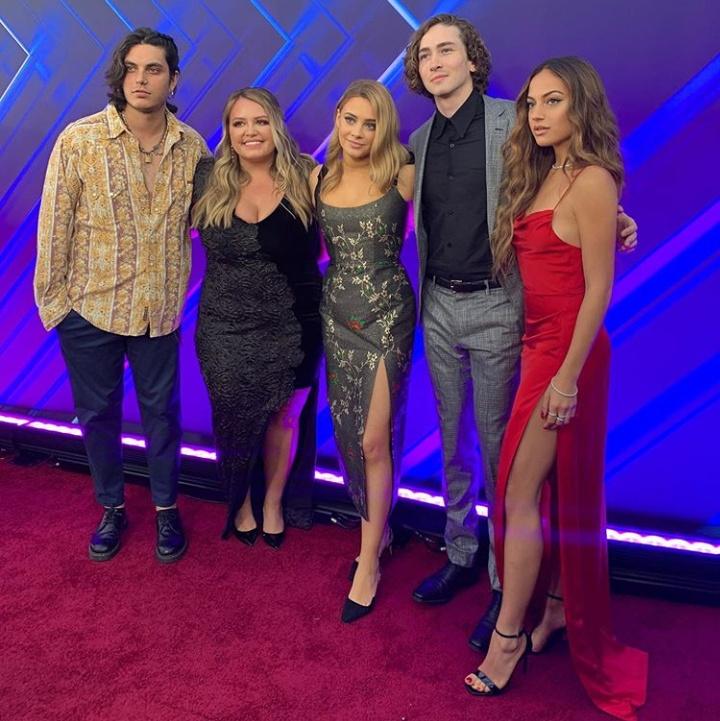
[[554, 166], [147, 155]]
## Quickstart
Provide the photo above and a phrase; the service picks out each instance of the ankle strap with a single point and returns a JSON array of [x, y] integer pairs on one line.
[[554, 597], [519, 634]]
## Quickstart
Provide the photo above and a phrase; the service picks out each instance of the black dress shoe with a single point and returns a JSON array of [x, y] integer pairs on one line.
[[246, 537], [171, 541], [274, 540], [105, 542], [352, 611], [445, 583], [480, 637]]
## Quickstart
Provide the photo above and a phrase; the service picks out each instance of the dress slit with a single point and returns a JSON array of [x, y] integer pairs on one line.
[[392, 448]]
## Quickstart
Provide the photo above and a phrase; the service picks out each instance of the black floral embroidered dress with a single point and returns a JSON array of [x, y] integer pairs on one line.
[[368, 314], [257, 338]]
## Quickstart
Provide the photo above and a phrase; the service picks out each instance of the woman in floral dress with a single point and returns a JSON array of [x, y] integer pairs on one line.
[[368, 312]]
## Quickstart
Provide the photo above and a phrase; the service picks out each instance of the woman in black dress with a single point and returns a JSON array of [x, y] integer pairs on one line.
[[258, 334]]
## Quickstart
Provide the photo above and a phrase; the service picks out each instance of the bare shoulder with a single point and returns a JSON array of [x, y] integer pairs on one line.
[[313, 181], [406, 180], [596, 182]]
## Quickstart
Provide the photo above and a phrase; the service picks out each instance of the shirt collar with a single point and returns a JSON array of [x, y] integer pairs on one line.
[[116, 126], [463, 116]]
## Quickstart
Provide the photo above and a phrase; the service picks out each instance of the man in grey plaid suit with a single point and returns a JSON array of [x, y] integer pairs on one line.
[[472, 322]]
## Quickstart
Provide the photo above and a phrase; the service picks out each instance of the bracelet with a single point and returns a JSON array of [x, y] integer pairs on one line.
[[560, 393]]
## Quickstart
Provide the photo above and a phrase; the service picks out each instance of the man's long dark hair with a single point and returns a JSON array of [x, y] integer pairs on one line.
[[115, 74]]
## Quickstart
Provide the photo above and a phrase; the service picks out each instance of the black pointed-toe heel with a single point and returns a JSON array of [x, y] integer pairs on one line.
[[387, 548], [353, 570], [352, 611], [274, 540], [246, 537], [492, 688]]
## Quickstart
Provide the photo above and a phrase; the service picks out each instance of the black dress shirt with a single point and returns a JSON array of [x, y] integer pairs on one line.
[[454, 195]]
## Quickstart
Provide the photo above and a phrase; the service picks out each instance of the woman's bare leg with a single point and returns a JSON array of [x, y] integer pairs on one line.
[[379, 487], [281, 440], [523, 548]]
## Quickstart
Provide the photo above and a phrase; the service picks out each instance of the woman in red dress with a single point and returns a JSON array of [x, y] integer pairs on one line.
[[557, 220]]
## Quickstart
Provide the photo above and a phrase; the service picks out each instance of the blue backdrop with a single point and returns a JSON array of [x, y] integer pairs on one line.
[[661, 64]]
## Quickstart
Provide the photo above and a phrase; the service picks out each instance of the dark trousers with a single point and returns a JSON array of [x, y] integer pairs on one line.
[[95, 360]]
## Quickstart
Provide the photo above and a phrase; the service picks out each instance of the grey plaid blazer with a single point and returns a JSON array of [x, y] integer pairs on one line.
[[499, 119]]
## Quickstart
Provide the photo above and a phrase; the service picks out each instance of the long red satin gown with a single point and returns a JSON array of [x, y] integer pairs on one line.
[[573, 504]]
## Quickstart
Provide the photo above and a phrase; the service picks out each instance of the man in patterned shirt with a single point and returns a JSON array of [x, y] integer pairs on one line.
[[112, 270]]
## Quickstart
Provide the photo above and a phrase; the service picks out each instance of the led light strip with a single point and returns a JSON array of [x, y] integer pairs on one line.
[[637, 537]]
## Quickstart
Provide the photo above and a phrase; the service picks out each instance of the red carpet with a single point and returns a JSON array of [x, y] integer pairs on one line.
[[232, 633]]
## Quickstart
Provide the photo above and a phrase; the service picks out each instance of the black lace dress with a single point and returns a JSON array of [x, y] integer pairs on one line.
[[258, 334]]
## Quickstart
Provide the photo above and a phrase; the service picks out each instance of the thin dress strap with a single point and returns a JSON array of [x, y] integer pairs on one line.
[[570, 185]]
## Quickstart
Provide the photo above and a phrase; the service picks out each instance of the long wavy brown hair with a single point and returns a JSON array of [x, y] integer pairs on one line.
[[477, 53], [290, 168], [387, 153], [594, 141], [115, 74]]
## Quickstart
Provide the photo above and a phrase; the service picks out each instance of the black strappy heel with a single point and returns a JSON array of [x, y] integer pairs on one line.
[[554, 636], [492, 688]]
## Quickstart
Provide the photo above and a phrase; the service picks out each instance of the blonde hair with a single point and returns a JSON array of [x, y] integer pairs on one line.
[[290, 168], [594, 141], [387, 153]]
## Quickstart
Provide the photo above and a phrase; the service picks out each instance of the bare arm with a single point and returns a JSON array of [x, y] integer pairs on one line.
[[55, 226], [594, 206], [323, 256], [313, 181], [406, 181]]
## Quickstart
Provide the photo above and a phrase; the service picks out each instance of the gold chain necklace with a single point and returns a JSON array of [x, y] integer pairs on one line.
[[147, 155]]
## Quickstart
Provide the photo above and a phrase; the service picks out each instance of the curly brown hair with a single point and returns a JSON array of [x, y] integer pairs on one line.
[[115, 74], [477, 53]]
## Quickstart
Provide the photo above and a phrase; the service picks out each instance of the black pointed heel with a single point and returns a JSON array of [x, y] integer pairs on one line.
[[246, 537], [492, 688], [352, 611], [387, 548], [353, 570], [274, 540]]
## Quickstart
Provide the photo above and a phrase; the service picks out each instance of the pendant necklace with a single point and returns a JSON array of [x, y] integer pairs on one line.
[[147, 155]]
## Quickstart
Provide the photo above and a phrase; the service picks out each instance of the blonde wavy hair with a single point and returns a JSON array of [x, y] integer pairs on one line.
[[290, 168], [387, 153], [594, 141]]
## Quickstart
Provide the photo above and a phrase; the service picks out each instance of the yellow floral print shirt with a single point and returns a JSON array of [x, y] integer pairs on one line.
[[107, 248]]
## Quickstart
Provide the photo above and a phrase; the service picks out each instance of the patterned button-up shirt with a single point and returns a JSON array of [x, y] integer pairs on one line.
[[107, 248]]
